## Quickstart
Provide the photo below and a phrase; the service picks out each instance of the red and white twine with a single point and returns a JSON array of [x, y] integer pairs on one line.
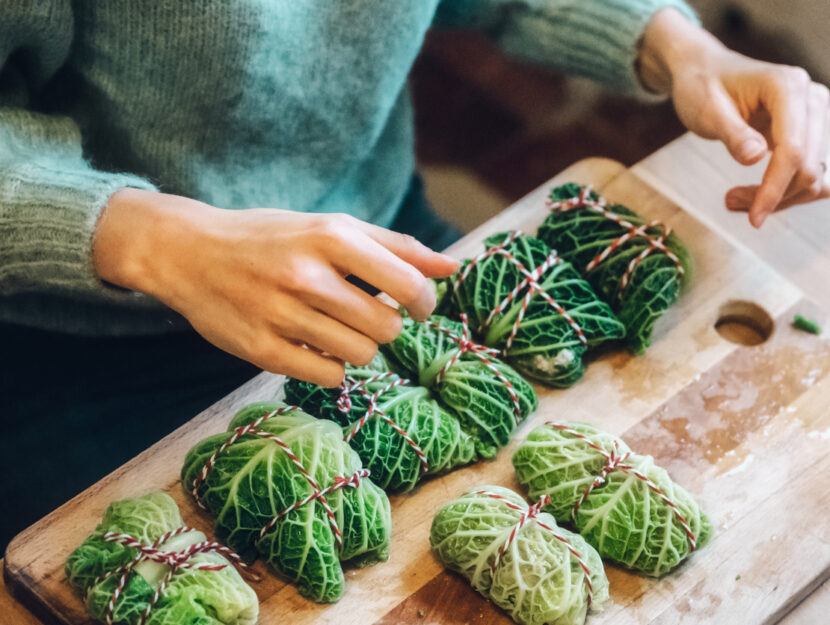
[[176, 560], [657, 244], [530, 282], [344, 404], [617, 462], [318, 494], [527, 515], [484, 354]]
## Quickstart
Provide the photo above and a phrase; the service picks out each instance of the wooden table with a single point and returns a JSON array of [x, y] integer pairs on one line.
[[797, 243]]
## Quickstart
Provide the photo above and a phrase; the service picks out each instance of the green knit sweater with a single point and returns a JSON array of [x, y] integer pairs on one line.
[[295, 104]]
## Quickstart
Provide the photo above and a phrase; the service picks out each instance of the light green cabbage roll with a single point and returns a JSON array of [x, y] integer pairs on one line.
[[623, 517], [192, 596], [538, 580]]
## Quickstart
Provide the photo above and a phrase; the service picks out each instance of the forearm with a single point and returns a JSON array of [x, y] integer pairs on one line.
[[595, 38], [669, 42], [137, 231]]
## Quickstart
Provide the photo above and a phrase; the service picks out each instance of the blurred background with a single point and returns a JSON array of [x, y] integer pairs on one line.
[[538, 122]]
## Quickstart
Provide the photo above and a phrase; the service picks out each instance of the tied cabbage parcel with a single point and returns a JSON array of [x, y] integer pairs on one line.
[[193, 596], [622, 516], [543, 334], [537, 580], [489, 398], [255, 480], [580, 234], [393, 462]]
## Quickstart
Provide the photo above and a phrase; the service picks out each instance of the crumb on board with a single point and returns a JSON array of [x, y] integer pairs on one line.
[[806, 325]]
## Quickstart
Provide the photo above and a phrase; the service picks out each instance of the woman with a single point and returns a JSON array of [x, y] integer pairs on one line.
[[132, 132]]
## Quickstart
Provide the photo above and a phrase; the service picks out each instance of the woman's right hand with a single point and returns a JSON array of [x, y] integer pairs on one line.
[[262, 283]]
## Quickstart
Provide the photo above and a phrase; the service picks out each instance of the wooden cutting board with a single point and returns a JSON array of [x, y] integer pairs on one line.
[[744, 428]]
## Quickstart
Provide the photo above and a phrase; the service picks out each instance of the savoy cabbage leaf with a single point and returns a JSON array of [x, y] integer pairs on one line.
[[546, 344], [393, 462], [473, 390], [254, 480], [538, 581], [579, 235], [623, 518], [192, 596]]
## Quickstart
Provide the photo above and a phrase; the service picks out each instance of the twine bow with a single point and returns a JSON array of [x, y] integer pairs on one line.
[[317, 494], [176, 560], [657, 244], [527, 515], [530, 282], [344, 404], [484, 354], [617, 462]]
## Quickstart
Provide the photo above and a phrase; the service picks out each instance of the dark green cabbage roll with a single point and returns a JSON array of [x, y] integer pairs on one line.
[[489, 397], [638, 267], [424, 437], [533, 306]]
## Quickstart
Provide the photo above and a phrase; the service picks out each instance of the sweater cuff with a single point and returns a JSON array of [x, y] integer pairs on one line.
[[47, 224], [598, 39]]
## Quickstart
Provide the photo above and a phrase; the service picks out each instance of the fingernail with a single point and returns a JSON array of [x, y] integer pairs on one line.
[[422, 309], [757, 220], [752, 147], [450, 259]]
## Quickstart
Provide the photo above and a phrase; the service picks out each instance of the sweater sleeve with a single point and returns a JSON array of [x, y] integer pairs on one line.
[[50, 195], [598, 39]]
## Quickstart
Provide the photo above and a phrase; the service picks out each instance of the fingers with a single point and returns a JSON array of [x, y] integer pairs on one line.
[[282, 356], [787, 99], [724, 122], [796, 170], [409, 249], [817, 137], [306, 325], [356, 308], [739, 199], [375, 264], [394, 263]]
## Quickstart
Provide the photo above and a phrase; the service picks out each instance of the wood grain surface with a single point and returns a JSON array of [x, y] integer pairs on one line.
[[745, 429]]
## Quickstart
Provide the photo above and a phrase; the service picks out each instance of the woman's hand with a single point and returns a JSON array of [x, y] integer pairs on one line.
[[751, 106], [263, 283]]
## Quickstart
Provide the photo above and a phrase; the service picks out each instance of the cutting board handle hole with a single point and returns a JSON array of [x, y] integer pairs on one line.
[[744, 323]]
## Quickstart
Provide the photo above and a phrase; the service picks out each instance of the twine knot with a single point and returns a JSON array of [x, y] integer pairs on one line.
[[617, 462], [655, 244], [178, 559], [529, 514]]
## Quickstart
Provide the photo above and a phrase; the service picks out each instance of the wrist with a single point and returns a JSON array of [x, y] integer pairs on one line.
[[140, 236], [671, 44]]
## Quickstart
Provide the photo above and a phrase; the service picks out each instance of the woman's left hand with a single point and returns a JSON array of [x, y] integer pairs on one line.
[[751, 106]]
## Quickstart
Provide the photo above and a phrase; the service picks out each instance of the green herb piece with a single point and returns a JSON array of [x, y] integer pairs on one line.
[[579, 235], [538, 579], [255, 480], [197, 597], [622, 516], [806, 325], [478, 393], [394, 463], [547, 343]]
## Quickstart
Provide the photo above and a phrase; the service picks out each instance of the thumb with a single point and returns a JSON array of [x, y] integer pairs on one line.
[[745, 144]]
